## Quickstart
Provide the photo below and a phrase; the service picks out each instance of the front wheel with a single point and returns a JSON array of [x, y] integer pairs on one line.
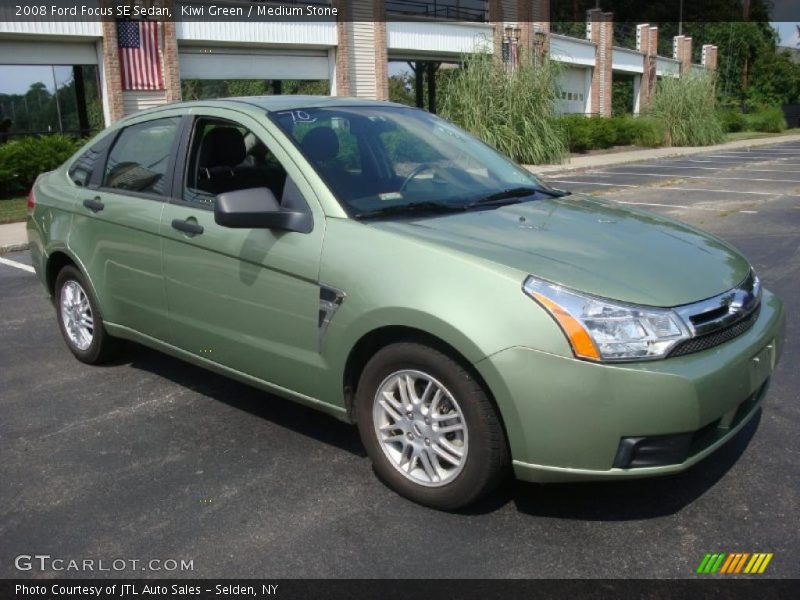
[[431, 431], [79, 318]]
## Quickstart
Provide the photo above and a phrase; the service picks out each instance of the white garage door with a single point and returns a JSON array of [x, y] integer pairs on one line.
[[574, 84], [47, 53], [244, 63]]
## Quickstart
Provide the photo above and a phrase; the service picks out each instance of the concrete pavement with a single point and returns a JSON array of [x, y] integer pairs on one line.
[[595, 161], [13, 238]]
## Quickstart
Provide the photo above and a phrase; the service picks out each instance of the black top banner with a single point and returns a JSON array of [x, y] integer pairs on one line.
[[477, 11]]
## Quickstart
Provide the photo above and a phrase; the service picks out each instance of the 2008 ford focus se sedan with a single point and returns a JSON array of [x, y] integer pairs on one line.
[[377, 263]]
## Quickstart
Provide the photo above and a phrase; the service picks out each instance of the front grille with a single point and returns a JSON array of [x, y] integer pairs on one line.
[[704, 342]]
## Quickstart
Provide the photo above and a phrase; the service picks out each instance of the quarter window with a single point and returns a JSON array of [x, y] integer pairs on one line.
[[139, 159]]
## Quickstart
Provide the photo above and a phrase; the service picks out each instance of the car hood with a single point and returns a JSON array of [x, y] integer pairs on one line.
[[591, 245]]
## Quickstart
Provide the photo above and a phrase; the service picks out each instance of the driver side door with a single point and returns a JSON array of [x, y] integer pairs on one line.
[[247, 299]]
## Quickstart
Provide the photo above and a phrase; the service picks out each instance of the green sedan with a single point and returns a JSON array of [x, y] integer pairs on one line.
[[378, 263]]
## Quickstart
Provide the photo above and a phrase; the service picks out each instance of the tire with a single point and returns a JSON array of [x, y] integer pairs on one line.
[[72, 288], [416, 452]]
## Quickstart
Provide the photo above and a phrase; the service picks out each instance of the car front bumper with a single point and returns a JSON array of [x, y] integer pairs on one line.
[[571, 420]]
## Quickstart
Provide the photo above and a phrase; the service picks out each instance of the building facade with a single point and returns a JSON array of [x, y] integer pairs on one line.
[[352, 53]]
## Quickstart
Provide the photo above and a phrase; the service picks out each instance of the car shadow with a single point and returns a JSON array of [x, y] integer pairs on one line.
[[280, 411], [635, 499]]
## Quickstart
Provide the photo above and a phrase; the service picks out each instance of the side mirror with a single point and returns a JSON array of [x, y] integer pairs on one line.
[[257, 208]]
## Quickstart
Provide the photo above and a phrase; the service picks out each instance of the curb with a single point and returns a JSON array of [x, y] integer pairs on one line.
[[7, 249], [660, 153]]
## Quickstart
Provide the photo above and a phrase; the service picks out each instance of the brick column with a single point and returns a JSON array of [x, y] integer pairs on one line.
[[682, 52], [496, 20], [361, 33], [112, 72], [647, 43], [710, 57], [381, 50], [172, 75], [600, 30], [342, 48]]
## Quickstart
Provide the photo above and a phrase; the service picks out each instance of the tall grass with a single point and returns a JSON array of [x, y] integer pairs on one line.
[[513, 112], [687, 108]]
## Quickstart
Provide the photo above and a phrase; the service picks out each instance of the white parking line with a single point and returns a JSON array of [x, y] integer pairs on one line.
[[593, 183], [706, 168], [679, 189], [670, 205], [16, 265], [699, 177]]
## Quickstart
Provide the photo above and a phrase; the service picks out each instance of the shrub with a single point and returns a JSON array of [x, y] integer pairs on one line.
[[515, 113], [732, 120], [595, 133], [686, 107], [23, 160], [768, 120]]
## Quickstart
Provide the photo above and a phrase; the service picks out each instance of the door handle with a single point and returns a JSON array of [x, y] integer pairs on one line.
[[187, 226], [94, 205]]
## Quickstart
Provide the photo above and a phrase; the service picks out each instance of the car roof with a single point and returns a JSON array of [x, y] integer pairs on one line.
[[277, 103]]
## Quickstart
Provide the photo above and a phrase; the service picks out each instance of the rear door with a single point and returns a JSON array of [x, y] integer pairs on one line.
[[115, 231], [248, 299]]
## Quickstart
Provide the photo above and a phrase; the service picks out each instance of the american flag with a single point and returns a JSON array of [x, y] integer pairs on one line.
[[140, 55]]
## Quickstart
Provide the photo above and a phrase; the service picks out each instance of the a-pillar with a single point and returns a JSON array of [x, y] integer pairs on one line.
[[600, 31]]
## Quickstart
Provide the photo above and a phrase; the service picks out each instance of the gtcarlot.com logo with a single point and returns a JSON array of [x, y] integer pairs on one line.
[[45, 562], [735, 563]]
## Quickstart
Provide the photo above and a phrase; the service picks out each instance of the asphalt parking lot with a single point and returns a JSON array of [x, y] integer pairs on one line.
[[153, 458]]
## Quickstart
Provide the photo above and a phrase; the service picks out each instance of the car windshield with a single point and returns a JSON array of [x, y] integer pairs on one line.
[[387, 160]]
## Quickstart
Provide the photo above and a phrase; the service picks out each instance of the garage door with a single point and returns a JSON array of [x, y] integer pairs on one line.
[[47, 53], [244, 63]]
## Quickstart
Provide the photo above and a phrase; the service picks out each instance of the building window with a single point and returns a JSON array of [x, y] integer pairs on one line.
[[42, 99]]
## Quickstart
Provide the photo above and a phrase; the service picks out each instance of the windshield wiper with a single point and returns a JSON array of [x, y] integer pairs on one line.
[[514, 195], [414, 207]]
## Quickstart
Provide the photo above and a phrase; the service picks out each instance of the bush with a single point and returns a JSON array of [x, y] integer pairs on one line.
[[596, 133], [768, 120], [515, 113], [732, 120], [687, 108], [23, 160]]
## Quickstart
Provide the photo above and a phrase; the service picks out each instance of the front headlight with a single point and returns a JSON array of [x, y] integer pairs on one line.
[[606, 330]]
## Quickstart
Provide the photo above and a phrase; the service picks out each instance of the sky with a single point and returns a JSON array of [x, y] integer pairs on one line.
[[789, 35]]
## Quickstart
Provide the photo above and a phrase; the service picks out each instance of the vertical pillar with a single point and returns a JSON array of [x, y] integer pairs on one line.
[[710, 57], [111, 71], [496, 20], [647, 43], [682, 52], [432, 69], [343, 46], [171, 67], [600, 30], [361, 55]]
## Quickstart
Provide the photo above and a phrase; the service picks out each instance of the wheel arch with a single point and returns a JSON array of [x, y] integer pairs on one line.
[[372, 341]]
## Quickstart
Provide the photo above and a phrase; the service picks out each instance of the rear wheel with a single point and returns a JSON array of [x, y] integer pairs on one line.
[[431, 431], [79, 318]]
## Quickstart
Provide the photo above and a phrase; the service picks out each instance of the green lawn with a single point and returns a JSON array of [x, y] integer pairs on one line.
[[13, 210], [753, 135]]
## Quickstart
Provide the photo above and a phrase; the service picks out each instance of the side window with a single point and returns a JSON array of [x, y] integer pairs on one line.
[[83, 168], [140, 156], [225, 157]]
